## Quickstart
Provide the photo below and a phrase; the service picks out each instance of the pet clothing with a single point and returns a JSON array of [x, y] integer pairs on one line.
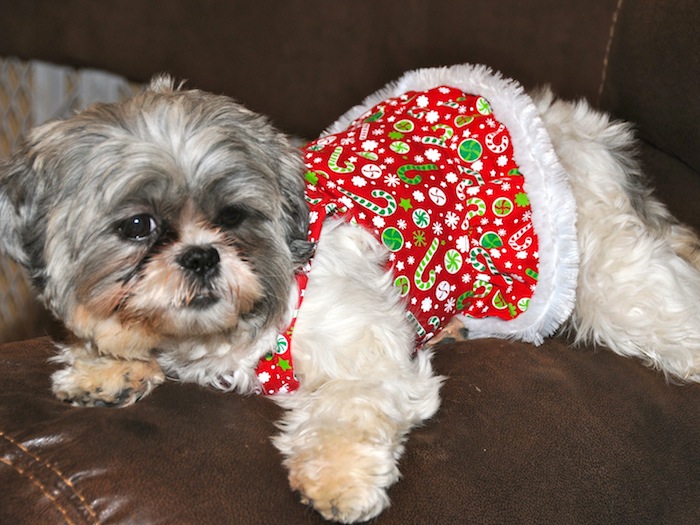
[[435, 174]]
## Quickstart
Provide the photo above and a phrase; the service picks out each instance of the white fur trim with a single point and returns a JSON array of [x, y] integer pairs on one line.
[[552, 202]]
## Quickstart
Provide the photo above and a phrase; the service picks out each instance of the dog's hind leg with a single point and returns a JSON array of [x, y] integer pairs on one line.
[[639, 284]]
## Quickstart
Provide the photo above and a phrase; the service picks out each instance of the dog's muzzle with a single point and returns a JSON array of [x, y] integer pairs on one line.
[[202, 264]]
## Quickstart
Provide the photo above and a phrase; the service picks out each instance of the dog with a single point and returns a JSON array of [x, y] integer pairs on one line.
[[170, 234]]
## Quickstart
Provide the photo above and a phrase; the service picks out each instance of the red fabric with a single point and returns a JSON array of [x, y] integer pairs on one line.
[[432, 175]]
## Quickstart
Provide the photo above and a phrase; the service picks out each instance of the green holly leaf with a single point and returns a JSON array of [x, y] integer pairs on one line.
[[395, 135]]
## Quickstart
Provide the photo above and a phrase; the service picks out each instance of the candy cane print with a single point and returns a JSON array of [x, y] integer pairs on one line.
[[462, 301], [419, 328], [466, 183], [491, 144], [447, 134], [514, 241], [333, 162], [414, 167], [384, 211], [432, 277], [479, 211], [364, 131], [481, 267], [480, 283], [416, 112]]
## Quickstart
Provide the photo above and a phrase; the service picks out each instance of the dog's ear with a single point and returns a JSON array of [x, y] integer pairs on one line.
[[295, 208], [22, 233]]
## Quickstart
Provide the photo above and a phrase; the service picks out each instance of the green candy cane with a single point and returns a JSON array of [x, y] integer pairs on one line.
[[414, 167], [383, 211], [481, 267], [448, 133], [333, 162], [432, 277]]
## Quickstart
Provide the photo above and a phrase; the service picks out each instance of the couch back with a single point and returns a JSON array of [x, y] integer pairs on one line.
[[305, 62]]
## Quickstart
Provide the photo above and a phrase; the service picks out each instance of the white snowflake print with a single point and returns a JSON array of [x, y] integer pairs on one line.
[[521, 255], [451, 177], [502, 232], [392, 180], [389, 160], [431, 117], [347, 141], [401, 224], [359, 181], [495, 254], [419, 159], [444, 90], [433, 155], [502, 160], [264, 377], [451, 219], [477, 165], [427, 304], [422, 101], [473, 190], [506, 186], [437, 228], [370, 145], [411, 260], [466, 278], [463, 244], [450, 305], [418, 196], [313, 217], [378, 221]]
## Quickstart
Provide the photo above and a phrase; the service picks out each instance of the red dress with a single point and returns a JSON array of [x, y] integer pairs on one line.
[[432, 175]]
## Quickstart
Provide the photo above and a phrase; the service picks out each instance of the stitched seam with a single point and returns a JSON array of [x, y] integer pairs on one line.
[[41, 488], [608, 46], [53, 469]]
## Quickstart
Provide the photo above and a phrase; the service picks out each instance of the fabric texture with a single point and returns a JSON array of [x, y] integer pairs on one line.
[[435, 174]]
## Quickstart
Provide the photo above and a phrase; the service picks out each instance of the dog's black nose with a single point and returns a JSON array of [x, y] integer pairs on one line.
[[199, 259]]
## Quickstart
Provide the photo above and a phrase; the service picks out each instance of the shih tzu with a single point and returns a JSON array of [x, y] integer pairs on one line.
[[180, 235]]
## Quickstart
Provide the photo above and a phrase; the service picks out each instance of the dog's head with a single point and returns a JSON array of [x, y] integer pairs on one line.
[[177, 213]]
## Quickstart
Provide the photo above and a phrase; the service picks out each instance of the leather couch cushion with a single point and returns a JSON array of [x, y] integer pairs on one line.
[[528, 435]]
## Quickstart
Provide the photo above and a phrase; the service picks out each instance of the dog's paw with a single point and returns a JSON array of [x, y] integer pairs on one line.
[[344, 482], [104, 382]]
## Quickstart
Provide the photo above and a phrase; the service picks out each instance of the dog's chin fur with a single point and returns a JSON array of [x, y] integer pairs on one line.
[[183, 157]]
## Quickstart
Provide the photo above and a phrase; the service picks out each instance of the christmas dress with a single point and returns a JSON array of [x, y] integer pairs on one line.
[[453, 172]]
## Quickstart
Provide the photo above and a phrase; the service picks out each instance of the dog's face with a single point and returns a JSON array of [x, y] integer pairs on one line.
[[175, 214]]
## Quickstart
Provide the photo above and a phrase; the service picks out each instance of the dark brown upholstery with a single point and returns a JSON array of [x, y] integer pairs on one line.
[[525, 435]]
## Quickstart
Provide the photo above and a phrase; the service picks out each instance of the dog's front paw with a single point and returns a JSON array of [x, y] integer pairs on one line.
[[344, 481], [106, 382]]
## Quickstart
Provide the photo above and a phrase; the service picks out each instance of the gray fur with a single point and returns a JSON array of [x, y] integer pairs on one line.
[[62, 195]]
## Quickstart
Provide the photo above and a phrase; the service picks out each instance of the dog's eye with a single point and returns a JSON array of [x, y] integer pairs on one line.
[[138, 227], [232, 216]]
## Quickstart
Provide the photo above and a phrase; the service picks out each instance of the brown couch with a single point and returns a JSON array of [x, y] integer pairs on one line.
[[525, 435]]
